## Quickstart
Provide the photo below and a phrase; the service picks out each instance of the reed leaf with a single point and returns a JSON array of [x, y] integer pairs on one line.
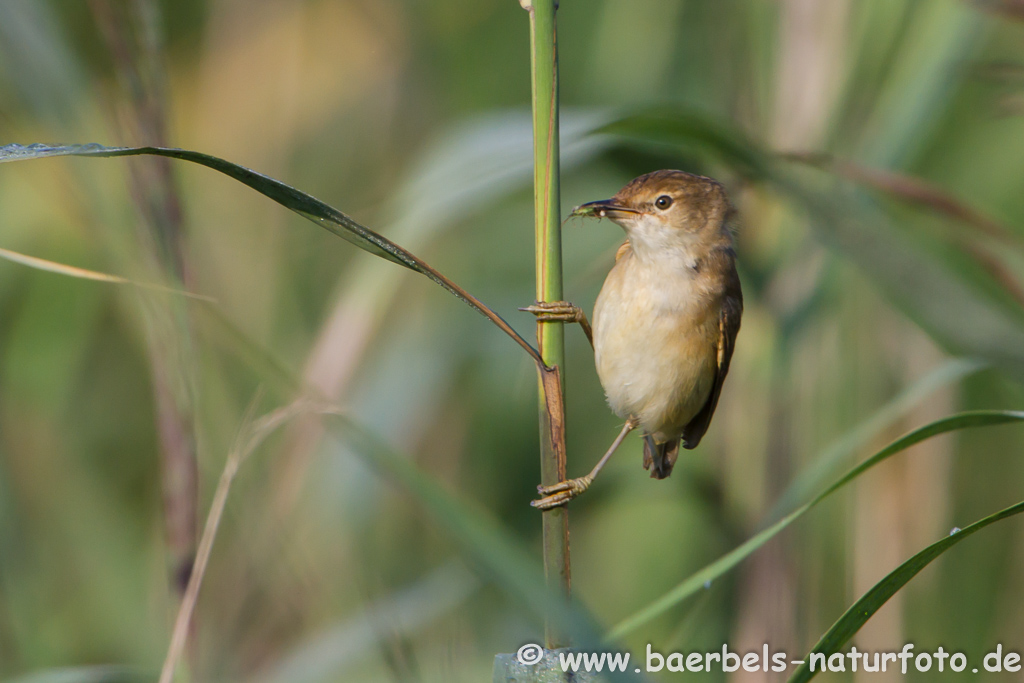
[[307, 206], [697, 581], [862, 610]]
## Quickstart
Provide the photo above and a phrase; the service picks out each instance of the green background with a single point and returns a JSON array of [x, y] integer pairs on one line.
[[412, 116]]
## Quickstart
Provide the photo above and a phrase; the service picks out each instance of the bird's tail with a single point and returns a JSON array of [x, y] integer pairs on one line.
[[659, 458]]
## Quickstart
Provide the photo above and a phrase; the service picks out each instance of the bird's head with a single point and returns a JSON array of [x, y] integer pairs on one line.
[[666, 210]]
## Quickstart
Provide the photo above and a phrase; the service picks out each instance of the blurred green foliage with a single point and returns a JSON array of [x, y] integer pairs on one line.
[[412, 117]]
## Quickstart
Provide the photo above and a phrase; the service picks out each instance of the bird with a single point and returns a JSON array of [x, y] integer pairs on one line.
[[666, 319]]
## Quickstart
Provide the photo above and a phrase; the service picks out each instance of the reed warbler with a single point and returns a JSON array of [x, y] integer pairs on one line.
[[666, 319]]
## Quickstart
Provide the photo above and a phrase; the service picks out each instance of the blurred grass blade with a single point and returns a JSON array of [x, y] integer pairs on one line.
[[913, 191], [481, 537], [916, 192], [252, 434], [328, 655], [42, 67], [849, 443], [862, 610], [694, 131], [305, 205], [82, 273], [916, 93], [1007, 9], [85, 674], [696, 582], [474, 529], [240, 346]]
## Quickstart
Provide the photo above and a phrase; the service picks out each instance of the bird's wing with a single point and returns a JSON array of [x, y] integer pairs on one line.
[[623, 249], [728, 327]]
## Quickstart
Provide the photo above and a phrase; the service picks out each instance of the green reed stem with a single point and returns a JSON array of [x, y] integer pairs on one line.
[[550, 335]]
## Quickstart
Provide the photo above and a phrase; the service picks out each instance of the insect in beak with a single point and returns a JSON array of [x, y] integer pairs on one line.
[[600, 209]]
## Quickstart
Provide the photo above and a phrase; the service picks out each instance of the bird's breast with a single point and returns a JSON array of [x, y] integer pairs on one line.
[[655, 344]]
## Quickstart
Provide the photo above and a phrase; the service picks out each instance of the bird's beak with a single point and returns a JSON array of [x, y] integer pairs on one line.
[[601, 209]]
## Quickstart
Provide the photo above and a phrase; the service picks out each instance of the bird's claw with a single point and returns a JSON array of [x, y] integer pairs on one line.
[[561, 493], [554, 311]]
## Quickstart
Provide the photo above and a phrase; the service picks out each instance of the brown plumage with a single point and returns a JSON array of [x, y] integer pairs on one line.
[[666, 320]]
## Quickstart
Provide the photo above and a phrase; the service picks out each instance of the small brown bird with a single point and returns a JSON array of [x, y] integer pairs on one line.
[[666, 319]]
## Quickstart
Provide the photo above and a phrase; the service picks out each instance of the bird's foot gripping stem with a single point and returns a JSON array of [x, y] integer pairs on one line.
[[554, 311], [564, 491], [561, 493], [561, 311]]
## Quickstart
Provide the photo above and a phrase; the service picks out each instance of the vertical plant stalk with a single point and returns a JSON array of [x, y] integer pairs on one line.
[[131, 32], [252, 434], [550, 335]]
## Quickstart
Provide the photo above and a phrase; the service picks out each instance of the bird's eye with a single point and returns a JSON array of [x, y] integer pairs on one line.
[[663, 202]]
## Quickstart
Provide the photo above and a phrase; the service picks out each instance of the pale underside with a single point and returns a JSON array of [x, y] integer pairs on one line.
[[655, 341]]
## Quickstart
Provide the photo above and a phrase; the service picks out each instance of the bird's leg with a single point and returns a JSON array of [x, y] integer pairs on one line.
[[554, 311], [562, 492]]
